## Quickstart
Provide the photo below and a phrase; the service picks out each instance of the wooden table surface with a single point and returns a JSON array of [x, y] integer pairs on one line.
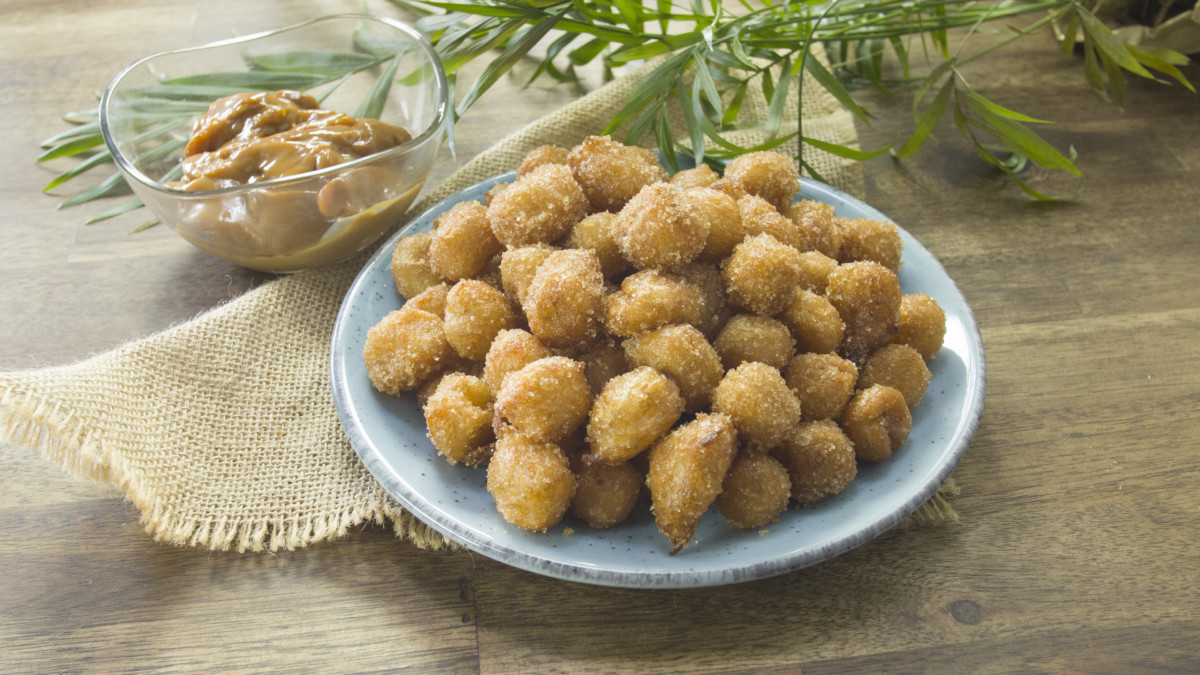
[[1080, 507]]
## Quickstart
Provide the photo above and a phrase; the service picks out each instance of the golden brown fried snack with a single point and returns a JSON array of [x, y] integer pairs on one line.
[[899, 367], [462, 241], [687, 467], [512, 350], [707, 279], [530, 480], [432, 300], [681, 352], [539, 207], [410, 264], [459, 417], [815, 322], [824, 384], [598, 232], [922, 324], [754, 337], [815, 268], [545, 154], [815, 221], [651, 299], [867, 297], [546, 400], [724, 220], [604, 361], [699, 177], [760, 217], [404, 348], [611, 173], [865, 239], [517, 267], [761, 274], [659, 227], [877, 421], [564, 303], [605, 494], [631, 412], [819, 459], [769, 175], [758, 400], [755, 491], [475, 313]]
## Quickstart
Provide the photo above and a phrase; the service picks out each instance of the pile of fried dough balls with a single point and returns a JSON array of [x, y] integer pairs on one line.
[[597, 327]]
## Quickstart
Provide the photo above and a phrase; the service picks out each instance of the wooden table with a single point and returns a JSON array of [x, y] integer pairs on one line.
[[1080, 507]]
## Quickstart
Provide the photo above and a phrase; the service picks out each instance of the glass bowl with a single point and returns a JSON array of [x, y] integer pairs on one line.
[[364, 66]]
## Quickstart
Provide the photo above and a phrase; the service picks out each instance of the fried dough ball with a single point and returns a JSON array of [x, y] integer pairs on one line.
[[462, 241], [823, 382], [611, 173], [605, 494], [815, 220], [760, 217], [724, 220], [753, 337], [455, 364], [410, 264], [877, 421], [681, 352], [517, 267], [404, 348], [922, 324], [867, 297], [815, 268], [899, 367], [492, 192], [758, 400], [539, 207], [755, 491], [729, 187], [659, 227], [546, 400], [598, 232], [769, 175], [564, 302], [651, 299], [459, 417], [432, 300], [819, 459], [545, 154], [530, 480], [814, 322], [604, 361], [631, 412], [687, 468], [475, 313], [865, 239], [707, 279], [510, 351], [699, 177], [761, 274]]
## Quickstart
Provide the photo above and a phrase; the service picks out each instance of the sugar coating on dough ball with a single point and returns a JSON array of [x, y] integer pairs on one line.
[[539, 207], [900, 367], [761, 274], [824, 384], [769, 175], [755, 491], [405, 348], [866, 295], [462, 241], [410, 264], [820, 461], [510, 351], [815, 220], [475, 313], [543, 154], [698, 177], [659, 227], [611, 173], [598, 232], [707, 279], [564, 302], [814, 322], [459, 417], [517, 267], [651, 299], [760, 217], [753, 337], [922, 324], [530, 480], [605, 494], [546, 400], [758, 400], [815, 268], [686, 470], [631, 412], [724, 219], [866, 239], [877, 421], [432, 300], [682, 352]]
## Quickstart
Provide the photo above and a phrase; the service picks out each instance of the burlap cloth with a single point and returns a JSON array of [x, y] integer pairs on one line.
[[222, 430]]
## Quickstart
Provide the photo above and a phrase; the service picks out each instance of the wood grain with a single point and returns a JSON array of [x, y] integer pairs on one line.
[[1077, 550]]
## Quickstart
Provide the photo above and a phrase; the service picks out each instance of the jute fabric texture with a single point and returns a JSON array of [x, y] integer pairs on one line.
[[222, 430]]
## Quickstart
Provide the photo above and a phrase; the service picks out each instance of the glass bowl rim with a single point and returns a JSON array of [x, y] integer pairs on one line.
[[423, 43]]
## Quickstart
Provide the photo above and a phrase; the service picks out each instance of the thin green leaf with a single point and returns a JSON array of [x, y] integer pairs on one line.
[[587, 52], [1016, 136], [927, 121], [831, 84], [108, 185], [1091, 67], [252, 80], [1116, 79], [845, 151], [662, 45], [89, 129], [329, 63], [631, 13], [928, 81], [1164, 61], [72, 147], [372, 106], [501, 65], [131, 205], [735, 103], [1070, 33], [779, 99], [666, 143], [86, 165], [691, 111], [1109, 44], [703, 82], [999, 110], [652, 86], [739, 52]]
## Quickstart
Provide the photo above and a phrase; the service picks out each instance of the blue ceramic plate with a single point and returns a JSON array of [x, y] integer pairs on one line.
[[388, 433]]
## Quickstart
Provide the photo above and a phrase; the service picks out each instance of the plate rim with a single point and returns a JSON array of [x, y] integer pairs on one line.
[[385, 474]]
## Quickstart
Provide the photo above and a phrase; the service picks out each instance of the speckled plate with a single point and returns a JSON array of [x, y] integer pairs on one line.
[[388, 433]]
